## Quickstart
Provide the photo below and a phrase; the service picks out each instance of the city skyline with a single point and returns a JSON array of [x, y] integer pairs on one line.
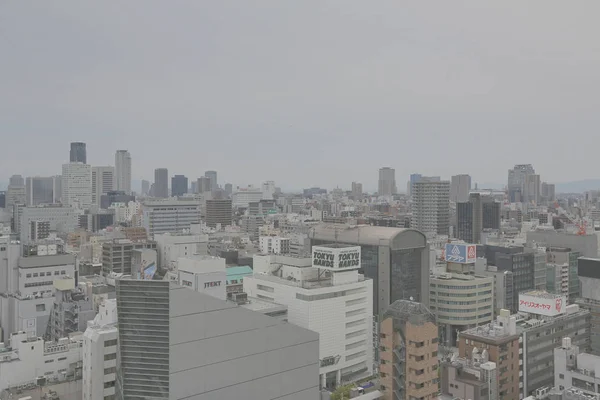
[[446, 82]]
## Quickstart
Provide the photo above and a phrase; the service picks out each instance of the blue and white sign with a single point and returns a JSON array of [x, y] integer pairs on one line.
[[461, 253]]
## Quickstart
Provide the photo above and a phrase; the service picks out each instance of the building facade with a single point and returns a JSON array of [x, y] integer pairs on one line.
[[161, 183], [123, 171], [77, 185], [78, 153], [212, 175], [43, 190], [103, 181], [169, 216], [431, 206], [387, 182], [460, 187], [179, 185], [117, 255], [218, 212]]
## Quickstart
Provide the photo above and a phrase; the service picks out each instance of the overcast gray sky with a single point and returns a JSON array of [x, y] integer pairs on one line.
[[303, 92]]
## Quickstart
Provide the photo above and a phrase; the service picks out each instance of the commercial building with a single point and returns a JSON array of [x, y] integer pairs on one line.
[[262, 208], [145, 187], [517, 178], [123, 172], [117, 255], [100, 353], [179, 185], [396, 259], [274, 245], [172, 216], [325, 294], [585, 245], [43, 190], [204, 185], [500, 339], [62, 219], [243, 197], [203, 273], [103, 181], [562, 271], [212, 175], [460, 187], [357, 191], [408, 351], [469, 378], [171, 246], [202, 347], [431, 206], [78, 153], [115, 196], [77, 185], [548, 192], [589, 276], [574, 369], [387, 182], [71, 311], [28, 359], [218, 212], [475, 215], [15, 192], [161, 183]]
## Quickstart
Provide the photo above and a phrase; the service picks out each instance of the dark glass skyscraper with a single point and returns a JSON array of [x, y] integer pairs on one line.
[[161, 183], [78, 152], [179, 185]]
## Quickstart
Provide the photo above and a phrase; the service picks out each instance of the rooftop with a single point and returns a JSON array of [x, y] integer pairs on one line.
[[543, 294], [368, 235]]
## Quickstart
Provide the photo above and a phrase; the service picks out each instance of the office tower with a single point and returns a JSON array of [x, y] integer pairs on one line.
[[212, 175], [123, 171], [357, 191], [396, 259], [77, 185], [204, 185], [117, 255], [15, 193], [413, 178], [516, 182], [548, 192], [62, 219], [473, 374], [243, 197], [475, 215], [408, 354], [589, 276], [387, 182], [161, 183], [43, 190], [78, 153], [194, 186], [431, 206], [329, 297], [228, 189], [145, 188], [100, 353], [39, 230], [179, 185], [191, 343], [218, 212], [169, 215], [586, 245], [532, 189], [575, 370], [2, 199], [115, 196], [563, 261], [498, 342], [103, 181], [171, 247], [459, 188], [274, 245], [268, 189], [71, 311]]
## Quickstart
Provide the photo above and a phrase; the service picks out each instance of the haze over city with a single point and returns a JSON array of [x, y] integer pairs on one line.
[[312, 93]]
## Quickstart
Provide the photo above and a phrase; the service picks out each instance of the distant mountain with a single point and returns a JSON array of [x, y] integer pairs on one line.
[[578, 186]]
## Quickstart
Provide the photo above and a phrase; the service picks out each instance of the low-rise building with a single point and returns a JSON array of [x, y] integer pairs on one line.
[[274, 245], [474, 378]]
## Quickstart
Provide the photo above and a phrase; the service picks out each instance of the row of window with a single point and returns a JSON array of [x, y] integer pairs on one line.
[[52, 360], [36, 274], [33, 284]]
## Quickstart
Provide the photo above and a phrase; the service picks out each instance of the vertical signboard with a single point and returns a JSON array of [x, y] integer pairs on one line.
[[461, 253]]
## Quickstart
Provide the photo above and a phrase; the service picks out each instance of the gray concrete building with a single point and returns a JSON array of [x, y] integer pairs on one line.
[[212, 175], [117, 255], [589, 277], [431, 205], [204, 348], [476, 215], [61, 219], [179, 185], [78, 153], [460, 186], [43, 190], [173, 216], [396, 259], [161, 183], [218, 212], [387, 182], [586, 245]]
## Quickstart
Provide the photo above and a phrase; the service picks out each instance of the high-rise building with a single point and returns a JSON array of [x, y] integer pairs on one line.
[[16, 192], [16, 180], [532, 189], [218, 212], [475, 215], [145, 188], [179, 185], [103, 181], [460, 187], [387, 182], [172, 216], [396, 259], [413, 178], [431, 206], [357, 191], [548, 192], [268, 189], [212, 175], [43, 190], [78, 153], [408, 352], [516, 182], [123, 171], [228, 189], [161, 183], [77, 185], [117, 255], [204, 185], [194, 186], [589, 276], [62, 219], [191, 342]]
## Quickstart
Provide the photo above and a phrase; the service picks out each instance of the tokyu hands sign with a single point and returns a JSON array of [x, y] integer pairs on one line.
[[336, 258]]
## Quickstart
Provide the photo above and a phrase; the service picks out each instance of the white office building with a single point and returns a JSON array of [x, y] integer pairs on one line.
[[172, 246], [26, 358], [274, 245], [268, 190], [325, 294], [103, 181], [242, 198], [123, 171], [77, 185], [431, 206], [62, 219], [100, 353], [163, 216], [205, 274], [460, 188]]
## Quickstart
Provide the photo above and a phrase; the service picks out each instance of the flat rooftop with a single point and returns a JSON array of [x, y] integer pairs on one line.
[[542, 294], [337, 245]]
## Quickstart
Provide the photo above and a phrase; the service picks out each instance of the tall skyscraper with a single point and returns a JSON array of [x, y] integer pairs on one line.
[[475, 215], [161, 183], [204, 184], [16, 180], [15, 193], [431, 206], [123, 171], [43, 190], [460, 187], [357, 191], [532, 189], [548, 192], [78, 153], [229, 189], [516, 182], [103, 181], [179, 185], [218, 212], [77, 185], [413, 178], [145, 188], [387, 181], [212, 175]]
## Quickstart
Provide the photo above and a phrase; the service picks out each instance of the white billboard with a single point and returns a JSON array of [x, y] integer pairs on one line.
[[545, 304], [336, 258]]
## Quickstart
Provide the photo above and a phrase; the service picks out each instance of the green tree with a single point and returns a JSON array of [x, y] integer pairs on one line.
[[342, 393]]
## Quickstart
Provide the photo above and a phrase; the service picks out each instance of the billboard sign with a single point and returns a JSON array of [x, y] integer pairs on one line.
[[336, 258], [461, 253], [546, 304]]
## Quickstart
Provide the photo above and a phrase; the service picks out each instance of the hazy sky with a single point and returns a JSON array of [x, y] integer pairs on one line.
[[303, 92]]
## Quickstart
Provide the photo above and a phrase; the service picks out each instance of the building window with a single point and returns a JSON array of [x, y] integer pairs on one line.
[[108, 357], [35, 274], [28, 275], [561, 376], [62, 358], [109, 343], [111, 370], [40, 307], [109, 384], [48, 361], [63, 272]]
